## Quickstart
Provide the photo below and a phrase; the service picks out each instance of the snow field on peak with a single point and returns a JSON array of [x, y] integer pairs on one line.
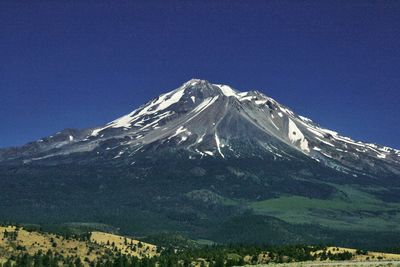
[[295, 135], [312, 134], [227, 90], [163, 102]]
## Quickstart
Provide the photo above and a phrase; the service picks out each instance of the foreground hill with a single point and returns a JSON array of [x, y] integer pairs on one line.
[[30, 248], [210, 162], [91, 247]]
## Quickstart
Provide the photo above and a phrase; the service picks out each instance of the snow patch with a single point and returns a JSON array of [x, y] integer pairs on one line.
[[218, 145], [226, 90], [328, 131], [295, 135], [315, 132], [326, 155], [273, 123], [287, 111], [305, 119], [180, 130], [201, 139], [261, 102], [347, 140], [325, 142], [247, 98], [119, 154]]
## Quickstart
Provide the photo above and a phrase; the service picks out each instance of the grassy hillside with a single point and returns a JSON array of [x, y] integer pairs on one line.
[[347, 209], [87, 248], [20, 247], [125, 245]]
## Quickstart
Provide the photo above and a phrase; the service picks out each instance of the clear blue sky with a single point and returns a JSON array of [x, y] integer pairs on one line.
[[76, 64]]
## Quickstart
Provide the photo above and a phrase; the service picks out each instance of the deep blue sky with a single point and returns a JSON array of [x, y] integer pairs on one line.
[[83, 63]]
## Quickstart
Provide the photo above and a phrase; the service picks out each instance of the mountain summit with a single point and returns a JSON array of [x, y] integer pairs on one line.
[[211, 162]]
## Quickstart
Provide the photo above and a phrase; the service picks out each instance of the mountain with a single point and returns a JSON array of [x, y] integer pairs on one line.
[[202, 156], [212, 120]]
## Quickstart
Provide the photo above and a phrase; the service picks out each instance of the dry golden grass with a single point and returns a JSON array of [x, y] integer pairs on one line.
[[100, 244], [103, 244], [124, 244], [369, 256]]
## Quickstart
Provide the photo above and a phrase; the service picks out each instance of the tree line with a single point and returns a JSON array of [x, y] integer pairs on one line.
[[207, 256]]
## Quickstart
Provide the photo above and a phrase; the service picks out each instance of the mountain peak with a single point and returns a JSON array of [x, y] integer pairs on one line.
[[206, 89], [195, 84], [194, 81], [223, 88], [206, 119]]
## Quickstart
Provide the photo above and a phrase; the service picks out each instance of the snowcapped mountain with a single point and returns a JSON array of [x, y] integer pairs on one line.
[[210, 162], [215, 120]]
